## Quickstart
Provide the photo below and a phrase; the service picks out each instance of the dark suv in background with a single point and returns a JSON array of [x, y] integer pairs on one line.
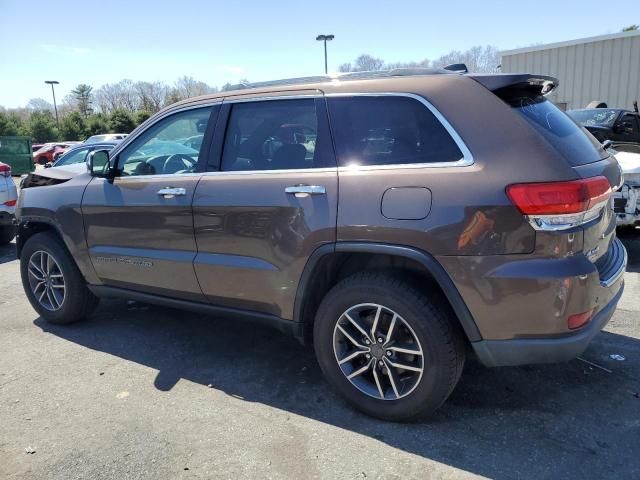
[[395, 221]]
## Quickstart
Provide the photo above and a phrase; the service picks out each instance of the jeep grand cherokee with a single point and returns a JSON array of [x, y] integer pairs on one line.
[[396, 222]]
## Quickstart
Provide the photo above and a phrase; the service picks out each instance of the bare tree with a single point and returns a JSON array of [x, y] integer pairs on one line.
[[364, 63], [477, 59], [151, 95], [39, 105]]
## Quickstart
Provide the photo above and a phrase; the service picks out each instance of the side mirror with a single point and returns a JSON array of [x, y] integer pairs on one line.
[[98, 163], [619, 128]]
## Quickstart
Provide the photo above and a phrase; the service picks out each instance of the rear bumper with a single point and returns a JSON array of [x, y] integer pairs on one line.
[[6, 218], [498, 353]]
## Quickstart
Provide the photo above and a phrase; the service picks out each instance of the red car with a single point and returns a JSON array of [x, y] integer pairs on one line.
[[49, 152]]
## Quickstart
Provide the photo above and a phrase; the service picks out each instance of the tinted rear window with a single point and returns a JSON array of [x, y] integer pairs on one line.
[[388, 130], [567, 137]]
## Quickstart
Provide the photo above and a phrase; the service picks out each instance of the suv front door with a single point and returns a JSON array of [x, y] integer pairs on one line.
[[139, 225], [268, 204]]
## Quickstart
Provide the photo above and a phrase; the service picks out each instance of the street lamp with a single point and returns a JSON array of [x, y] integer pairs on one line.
[[55, 107], [325, 39]]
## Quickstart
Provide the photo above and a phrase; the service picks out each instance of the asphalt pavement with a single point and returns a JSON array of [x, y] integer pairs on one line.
[[146, 392]]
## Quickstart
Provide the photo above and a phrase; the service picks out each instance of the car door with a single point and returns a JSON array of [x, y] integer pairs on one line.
[[627, 128], [269, 203], [139, 225]]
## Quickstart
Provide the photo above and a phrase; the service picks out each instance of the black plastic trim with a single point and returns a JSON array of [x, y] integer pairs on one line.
[[286, 326], [426, 260]]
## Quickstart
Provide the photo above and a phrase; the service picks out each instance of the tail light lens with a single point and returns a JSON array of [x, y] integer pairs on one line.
[[10, 203], [5, 170], [561, 205], [579, 319]]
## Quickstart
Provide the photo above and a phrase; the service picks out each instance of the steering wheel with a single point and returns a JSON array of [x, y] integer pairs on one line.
[[177, 162]]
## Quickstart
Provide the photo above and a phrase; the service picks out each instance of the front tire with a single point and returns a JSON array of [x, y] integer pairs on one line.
[[386, 347], [54, 286]]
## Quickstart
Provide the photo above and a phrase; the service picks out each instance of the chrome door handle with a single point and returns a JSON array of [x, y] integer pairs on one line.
[[170, 192], [306, 190]]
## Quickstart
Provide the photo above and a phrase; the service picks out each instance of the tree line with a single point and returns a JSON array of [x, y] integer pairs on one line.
[[113, 108], [120, 107]]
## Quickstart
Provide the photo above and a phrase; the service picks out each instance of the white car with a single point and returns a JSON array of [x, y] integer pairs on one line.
[[8, 200], [626, 201]]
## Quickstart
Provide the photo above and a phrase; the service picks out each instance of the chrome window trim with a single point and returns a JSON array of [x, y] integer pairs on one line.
[[466, 160], [243, 99]]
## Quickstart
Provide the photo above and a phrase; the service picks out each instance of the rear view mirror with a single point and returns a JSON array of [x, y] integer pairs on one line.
[[98, 162]]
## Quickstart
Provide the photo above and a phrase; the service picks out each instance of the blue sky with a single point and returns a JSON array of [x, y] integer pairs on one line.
[[95, 42]]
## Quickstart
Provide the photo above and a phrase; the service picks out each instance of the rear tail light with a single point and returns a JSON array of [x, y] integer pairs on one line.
[[10, 203], [579, 319], [5, 170], [561, 205]]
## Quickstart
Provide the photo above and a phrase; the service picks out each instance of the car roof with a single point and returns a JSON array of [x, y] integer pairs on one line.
[[109, 143]]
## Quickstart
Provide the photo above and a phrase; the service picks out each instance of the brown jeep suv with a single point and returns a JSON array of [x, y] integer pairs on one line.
[[397, 221]]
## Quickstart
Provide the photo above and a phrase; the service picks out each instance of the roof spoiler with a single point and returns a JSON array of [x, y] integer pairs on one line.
[[536, 84]]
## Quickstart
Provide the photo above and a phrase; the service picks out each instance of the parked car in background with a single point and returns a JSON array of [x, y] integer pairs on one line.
[[8, 200], [107, 137], [615, 124], [78, 154], [626, 201], [394, 242], [36, 146], [50, 152], [15, 151]]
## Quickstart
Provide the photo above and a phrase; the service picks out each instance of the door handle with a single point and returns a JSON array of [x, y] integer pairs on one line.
[[303, 190], [170, 192]]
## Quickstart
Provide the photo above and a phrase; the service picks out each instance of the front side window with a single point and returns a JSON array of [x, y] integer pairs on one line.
[[276, 135], [168, 147], [629, 124], [386, 130]]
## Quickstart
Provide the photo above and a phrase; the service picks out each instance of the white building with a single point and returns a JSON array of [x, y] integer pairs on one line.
[[605, 68]]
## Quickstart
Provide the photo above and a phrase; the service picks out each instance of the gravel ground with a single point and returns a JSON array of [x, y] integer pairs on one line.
[[147, 392]]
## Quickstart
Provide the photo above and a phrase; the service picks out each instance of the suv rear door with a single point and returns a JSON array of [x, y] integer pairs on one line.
[[139, 226], [263, 209]]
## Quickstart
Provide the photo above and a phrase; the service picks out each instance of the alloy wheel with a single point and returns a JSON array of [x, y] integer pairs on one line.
[[46, 280], [378, 352]]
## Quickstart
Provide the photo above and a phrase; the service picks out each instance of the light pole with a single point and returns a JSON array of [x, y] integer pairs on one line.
[[325, 39], [55, 107]]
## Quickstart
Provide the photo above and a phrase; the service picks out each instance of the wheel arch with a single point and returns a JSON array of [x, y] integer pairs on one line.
[[332, 262]]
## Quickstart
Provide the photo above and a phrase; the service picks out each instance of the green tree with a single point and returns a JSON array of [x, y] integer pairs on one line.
[[73, 127], [121, 122], [43, 127], [631, 28], [141, 116], [97, 124], [84, 98], [10, 124]]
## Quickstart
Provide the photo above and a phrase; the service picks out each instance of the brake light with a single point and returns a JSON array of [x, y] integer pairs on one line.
[[5, 170], [561, 205], [579, 319], [10, 203]]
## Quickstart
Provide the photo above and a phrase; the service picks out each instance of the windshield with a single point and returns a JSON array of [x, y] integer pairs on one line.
[[597, 117], [96, 139], [571, 141]]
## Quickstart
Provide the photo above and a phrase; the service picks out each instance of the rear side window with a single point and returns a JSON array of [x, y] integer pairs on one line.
[[277, 135], [386, 130], [567, 137]]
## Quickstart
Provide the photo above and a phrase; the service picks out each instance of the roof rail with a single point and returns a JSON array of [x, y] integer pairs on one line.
[[365, 75]]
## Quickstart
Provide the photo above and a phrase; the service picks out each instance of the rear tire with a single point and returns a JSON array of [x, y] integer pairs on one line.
[[50, 277], [423, 326], [7, 234]]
